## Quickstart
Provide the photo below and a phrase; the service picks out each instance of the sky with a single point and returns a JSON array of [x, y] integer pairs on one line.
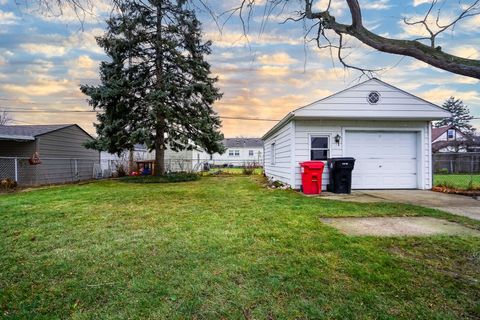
[[45, 56]]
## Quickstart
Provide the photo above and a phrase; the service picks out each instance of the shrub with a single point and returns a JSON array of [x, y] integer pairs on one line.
[[166, 178], [8, 184], [443, 171], [248, 170], [121, 170]]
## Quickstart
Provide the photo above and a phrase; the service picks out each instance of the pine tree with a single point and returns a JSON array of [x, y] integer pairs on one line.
[[157, 89], [460, 116]]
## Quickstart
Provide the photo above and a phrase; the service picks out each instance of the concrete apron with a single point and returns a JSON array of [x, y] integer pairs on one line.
[[452, 203]]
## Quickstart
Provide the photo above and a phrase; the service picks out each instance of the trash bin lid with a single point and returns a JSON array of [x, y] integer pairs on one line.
[[313, 164], [341, 159]]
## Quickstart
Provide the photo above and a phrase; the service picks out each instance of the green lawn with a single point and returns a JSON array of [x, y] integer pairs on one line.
[[221, 248], [457, 181]]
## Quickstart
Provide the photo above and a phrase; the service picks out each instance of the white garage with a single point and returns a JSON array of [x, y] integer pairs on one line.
[[386, 130]]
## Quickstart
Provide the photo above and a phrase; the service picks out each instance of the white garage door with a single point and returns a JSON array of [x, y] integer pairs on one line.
[[384, 160]]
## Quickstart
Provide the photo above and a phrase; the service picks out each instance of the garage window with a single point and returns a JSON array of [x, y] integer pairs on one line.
[[319, 147], [272, 154]]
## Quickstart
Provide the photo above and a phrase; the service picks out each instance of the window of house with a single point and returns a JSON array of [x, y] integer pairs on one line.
[[450, 134], [319, 147], [272, 154], [250, 153], [233, 153]]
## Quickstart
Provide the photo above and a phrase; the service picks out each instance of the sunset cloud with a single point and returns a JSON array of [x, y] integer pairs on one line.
[[44, 49], [41, 87], [280, 58]]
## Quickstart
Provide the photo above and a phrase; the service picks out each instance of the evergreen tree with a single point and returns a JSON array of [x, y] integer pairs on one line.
[[460, 116], [157, 88]]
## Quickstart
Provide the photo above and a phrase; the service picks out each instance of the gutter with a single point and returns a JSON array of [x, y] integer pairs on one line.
[[16, 137], [280, 124]]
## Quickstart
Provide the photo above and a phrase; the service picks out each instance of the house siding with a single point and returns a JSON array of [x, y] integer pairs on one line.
[[352, 103], [66, 143], [305, 128], [64, 158], [281, 170]]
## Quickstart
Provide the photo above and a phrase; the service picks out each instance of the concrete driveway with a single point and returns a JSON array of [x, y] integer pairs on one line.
[[452, 203]]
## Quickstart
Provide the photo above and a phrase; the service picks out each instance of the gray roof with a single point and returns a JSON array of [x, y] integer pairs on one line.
[[30, 132], [243, 143]]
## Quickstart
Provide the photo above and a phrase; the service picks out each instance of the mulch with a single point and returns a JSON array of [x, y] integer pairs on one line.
[[471, 193]]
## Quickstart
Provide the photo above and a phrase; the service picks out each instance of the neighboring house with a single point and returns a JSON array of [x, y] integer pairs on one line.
[[387, 131], [185, 160], [175, 161], [239, 151], [110, 162], [59, 148], [448, 139]]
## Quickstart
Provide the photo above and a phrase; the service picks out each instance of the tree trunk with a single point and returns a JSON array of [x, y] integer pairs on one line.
[[160, 146], [160, 119], [130, 161]]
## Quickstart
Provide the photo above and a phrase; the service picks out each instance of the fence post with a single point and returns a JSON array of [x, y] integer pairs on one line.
[[16, 169], [471, 172]]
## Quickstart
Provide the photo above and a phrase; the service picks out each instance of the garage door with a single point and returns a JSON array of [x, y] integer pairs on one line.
[[384, 160]]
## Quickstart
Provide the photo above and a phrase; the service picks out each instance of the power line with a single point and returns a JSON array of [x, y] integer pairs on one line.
[[93, 111]]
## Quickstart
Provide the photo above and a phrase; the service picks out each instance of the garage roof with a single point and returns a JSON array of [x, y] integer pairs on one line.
[[370, 100], [30, 132]]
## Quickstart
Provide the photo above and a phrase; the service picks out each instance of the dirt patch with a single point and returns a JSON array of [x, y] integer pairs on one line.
[[398, 226]]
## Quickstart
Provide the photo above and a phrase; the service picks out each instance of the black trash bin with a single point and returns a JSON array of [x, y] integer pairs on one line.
[[340, 175]]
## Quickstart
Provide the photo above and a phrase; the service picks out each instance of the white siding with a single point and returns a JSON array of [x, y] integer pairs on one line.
[[352, 104], [243, 157], [282, 169], [305, 128]]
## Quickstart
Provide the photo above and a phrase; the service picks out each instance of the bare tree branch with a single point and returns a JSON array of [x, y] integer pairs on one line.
[[4, 118]]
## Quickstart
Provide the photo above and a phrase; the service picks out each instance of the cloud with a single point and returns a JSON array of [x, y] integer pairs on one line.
[[337, 8], [439, 95], [420, 2], [281, 58], [8, 18], [275, 71], [83, 67], [41, 87], [468, 52], [44, 49], [376, 5]]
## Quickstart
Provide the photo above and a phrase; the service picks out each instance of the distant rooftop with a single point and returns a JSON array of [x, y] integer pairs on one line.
[[243, 143]]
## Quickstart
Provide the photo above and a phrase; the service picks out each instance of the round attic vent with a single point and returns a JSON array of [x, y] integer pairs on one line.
[[373, 97]]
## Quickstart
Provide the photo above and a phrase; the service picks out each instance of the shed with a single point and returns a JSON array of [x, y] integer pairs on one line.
[[387, 130], [63, 157]]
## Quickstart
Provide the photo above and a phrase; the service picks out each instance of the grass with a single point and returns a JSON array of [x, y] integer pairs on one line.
[[457, 181], [221, 247]]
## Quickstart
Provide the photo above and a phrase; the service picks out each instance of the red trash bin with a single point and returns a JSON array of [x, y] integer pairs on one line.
[[312, 176]]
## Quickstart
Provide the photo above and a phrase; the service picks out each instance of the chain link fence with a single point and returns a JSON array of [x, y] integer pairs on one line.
[[460, 170], [58, 170], [49, 171]]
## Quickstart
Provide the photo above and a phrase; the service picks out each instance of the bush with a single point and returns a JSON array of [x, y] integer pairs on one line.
[[166, 178], [8, 184], [121, 170], [443, 171], [248, 170]]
